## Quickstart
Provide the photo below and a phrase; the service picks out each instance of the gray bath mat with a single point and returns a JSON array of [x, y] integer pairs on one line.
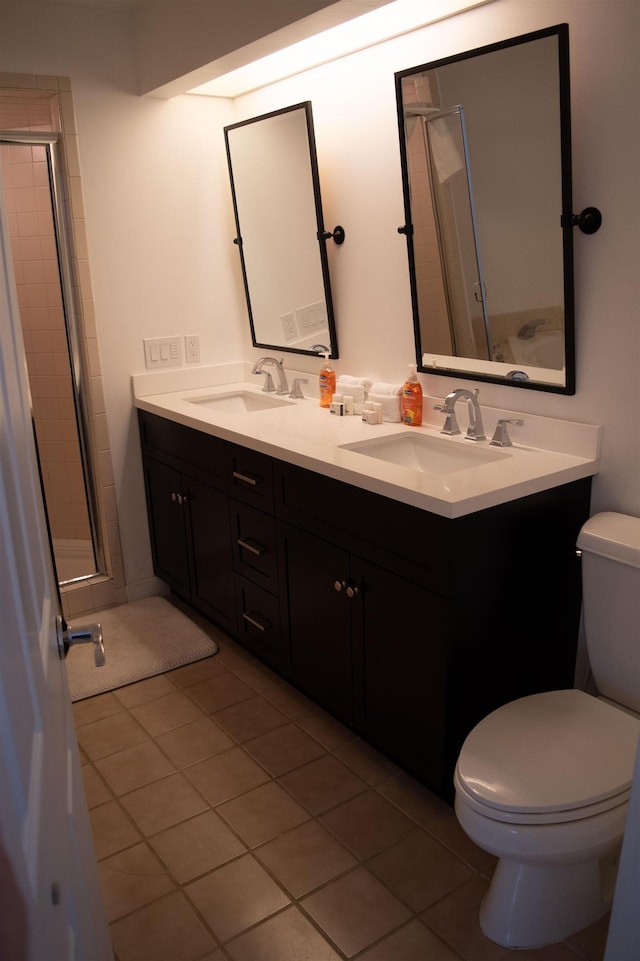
[[141, 639]]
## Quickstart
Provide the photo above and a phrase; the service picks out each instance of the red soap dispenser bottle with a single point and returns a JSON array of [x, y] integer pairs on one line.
[[412, 399]]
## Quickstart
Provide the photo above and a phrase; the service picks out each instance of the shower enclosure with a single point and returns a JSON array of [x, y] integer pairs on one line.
[[444, 142], [32, 189]]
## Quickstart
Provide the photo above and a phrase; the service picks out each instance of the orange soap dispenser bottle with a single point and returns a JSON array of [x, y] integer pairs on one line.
[[327, 383], [412, 399]]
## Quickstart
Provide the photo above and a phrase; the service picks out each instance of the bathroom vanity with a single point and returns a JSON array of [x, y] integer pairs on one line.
[[406, 624]]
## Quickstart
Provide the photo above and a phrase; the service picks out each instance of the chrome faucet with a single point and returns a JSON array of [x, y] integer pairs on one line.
[[278, 365], [475, 430]]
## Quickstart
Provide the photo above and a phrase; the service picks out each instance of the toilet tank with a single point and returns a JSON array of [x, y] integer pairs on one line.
[[610, 545]]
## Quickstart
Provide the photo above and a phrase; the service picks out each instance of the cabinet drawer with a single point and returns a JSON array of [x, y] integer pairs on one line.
[[259, 622], [254, 545], [251, 478], [192, 451]]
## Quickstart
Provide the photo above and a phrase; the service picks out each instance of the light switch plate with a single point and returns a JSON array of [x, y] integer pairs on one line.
[[162, 352]]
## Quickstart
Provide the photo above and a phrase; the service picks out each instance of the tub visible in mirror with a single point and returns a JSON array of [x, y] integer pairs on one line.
[[280, 231], [486, 166]]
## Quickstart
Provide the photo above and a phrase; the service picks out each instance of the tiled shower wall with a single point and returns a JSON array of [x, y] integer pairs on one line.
[[29, 102], [35, 262]]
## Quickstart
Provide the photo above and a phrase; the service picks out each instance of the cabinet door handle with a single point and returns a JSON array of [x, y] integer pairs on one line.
[[352, 592], [253, 548], [182, 498], [247, 478], [252, 619], [339, 585]]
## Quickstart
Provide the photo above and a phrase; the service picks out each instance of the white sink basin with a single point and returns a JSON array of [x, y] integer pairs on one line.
[[425, 453], [239, 402]]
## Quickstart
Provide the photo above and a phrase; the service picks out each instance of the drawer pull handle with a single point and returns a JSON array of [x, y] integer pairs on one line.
[[256, 549], [251, 619], [246, 478]]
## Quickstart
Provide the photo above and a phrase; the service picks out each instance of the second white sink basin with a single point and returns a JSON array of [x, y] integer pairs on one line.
[[425, 453], [239, 402]]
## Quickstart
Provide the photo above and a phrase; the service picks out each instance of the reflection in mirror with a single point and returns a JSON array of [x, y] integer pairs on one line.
[[281, 237], [485, 146]]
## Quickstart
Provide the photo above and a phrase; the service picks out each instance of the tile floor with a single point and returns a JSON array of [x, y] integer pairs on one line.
[[236, 821]]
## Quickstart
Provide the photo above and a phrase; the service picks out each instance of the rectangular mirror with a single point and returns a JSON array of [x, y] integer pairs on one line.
[[280, 231], [486, 166]]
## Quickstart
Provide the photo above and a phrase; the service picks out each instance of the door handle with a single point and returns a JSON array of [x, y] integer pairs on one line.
[[84, 634]]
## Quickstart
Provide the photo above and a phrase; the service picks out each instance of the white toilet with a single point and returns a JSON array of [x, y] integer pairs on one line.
[[543, 783]]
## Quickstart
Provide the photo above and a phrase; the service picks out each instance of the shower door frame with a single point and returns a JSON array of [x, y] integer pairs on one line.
[[51, 141]]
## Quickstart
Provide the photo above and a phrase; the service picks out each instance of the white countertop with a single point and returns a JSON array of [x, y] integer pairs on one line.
[[546, 452]]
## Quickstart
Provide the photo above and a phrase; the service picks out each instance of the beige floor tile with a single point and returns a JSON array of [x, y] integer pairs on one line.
[[289, 936], [250, 718], [95, 789], [327, 730], [322, 784], [257, 675], [219, 692], [591, 942], [196, 846], [109, 735], [160, 805], [226, 775], [132, 879], [236, 896], [355, 911], [419, 870], [194, 741], [436, 817], [305, 858], [166, 713], [263, 813], [413, 942], [95, 708], [290, 701], [112, 829], [367, 824], [134, 767], [372, 766], [166, 930], [455, 920], [284, 749], [198, 671], [152, 687]]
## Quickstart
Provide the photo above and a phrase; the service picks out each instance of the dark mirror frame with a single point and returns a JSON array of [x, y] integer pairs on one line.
[[566, 221], [275, 239]]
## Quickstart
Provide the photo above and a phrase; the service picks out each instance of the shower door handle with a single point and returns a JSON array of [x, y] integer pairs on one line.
[[84, 634]]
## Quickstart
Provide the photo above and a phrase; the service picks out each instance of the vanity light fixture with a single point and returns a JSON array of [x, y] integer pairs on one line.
[[383, 23]]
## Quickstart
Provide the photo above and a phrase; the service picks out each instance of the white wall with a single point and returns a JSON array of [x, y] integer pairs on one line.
[[160, 224]]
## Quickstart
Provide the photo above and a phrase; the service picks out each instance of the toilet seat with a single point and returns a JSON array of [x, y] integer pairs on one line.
[[548, 758]]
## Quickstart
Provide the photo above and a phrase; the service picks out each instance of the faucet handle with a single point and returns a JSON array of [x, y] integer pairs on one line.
[[296, 390], [268, 386], [450, 424], [501, 435]]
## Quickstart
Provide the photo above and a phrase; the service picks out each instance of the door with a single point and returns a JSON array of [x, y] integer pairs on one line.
[[51, 902]]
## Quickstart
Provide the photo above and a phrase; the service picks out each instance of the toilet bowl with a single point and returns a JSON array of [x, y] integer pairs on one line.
[[557, 826], [543, 783]]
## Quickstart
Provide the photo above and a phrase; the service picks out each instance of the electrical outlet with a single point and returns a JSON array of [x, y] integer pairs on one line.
[[162, 352], [288, 322], [192, 348]]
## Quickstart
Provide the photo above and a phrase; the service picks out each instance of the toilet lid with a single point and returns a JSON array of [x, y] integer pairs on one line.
[[558, 751]]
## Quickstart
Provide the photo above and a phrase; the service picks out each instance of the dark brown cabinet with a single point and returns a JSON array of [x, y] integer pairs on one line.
[[406, 625]]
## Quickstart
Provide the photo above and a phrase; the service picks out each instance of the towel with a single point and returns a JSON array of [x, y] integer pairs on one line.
[[356, 387], [382, 388], [390, 405]]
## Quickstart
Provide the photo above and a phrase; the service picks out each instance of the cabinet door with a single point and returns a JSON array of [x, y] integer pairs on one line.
[[166, 506], [400, 666], [318, 618], [212, 586]]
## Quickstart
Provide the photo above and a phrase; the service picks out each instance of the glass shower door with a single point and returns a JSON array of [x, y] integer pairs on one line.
[[44, 285]]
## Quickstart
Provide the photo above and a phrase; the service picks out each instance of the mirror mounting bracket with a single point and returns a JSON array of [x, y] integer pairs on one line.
[[588, 220], [337, 233]]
